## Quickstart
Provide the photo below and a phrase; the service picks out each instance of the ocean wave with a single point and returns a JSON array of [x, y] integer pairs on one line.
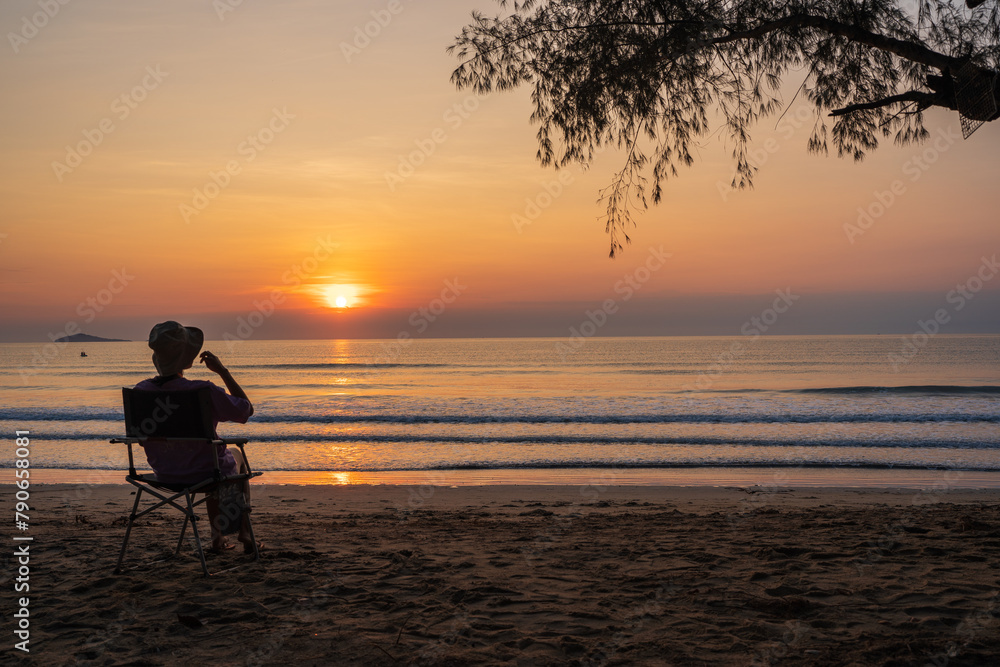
[[863, 390], [335, 365], [60, 415], [588, 463], [881, 442], [744, 418], [91, 414], [946, 389]]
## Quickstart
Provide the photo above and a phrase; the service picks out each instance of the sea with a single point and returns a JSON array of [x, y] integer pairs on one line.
[[546, 410]]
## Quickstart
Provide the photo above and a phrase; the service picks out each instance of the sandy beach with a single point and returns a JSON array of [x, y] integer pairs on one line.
[[526, 575]]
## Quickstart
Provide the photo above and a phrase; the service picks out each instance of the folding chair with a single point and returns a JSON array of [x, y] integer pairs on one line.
[[184, 419]]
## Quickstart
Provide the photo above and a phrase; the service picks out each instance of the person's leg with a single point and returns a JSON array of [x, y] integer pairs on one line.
[[212, 505], [215, 512], [241, 465]]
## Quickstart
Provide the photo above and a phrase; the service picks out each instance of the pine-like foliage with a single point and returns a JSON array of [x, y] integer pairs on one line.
[[645, 75]]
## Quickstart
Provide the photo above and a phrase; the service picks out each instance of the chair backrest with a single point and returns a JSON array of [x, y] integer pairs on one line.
[[168, 414]]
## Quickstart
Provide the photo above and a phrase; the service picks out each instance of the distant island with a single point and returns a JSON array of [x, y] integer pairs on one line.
[[87, 338]]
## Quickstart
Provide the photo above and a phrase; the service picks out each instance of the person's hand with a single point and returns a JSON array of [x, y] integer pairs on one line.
[[212, 362]]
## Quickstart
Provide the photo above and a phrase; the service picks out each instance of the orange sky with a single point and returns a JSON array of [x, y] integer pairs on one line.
[[310, 130]]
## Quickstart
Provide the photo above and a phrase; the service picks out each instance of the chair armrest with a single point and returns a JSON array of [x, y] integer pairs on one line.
[[220, 441], [239, 442]]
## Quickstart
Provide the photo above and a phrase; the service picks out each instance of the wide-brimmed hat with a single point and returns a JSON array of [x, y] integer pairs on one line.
[[174, 346]]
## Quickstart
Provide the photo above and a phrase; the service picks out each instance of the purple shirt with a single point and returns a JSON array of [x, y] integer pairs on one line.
[[183, 463]]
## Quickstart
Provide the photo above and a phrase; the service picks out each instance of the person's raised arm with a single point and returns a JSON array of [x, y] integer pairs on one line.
[[214, 364]]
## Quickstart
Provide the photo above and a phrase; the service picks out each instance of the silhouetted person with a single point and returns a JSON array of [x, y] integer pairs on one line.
[[175, 348]]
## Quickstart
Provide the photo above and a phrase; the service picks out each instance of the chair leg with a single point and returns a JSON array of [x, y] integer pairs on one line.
[[197, 539], [180, 540], [128, 531], [253, 538]]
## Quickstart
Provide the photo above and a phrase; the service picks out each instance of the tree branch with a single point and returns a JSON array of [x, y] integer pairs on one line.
[[907, 50], [924, 99]]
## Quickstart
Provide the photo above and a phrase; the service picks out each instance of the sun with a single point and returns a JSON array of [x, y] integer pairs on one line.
[[340, 296]]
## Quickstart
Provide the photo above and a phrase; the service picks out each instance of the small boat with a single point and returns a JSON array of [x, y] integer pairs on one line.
[[83, 354]]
